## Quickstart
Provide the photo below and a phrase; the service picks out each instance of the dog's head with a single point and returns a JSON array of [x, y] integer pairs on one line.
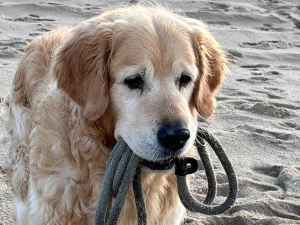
[[155, 70]]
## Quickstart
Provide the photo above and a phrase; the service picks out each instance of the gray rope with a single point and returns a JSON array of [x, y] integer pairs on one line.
[[104, 215], [124, 167], [139, 198], [209, 172], [187, 199]]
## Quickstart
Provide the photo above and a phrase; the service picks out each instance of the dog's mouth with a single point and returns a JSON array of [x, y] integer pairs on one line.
[[164, 161], [165, 164]]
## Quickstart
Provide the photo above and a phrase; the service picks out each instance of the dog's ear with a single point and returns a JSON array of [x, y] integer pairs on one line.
[[81, 66], [211, 63]]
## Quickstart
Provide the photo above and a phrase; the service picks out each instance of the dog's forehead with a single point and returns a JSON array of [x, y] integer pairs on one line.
[[159, 42]]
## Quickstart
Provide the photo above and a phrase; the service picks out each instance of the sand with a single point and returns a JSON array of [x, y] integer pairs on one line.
[[258, 115]]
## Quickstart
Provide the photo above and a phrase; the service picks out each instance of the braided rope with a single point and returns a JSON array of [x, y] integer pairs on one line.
[[122, 177], [124, 168], [187, 199]]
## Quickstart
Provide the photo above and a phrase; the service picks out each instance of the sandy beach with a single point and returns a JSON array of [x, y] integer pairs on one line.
[[258, 115]]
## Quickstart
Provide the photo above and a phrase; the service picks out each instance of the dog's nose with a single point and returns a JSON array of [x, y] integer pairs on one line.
[[173, 136]]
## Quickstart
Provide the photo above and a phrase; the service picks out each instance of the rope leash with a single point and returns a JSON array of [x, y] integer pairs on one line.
[[124, 168]]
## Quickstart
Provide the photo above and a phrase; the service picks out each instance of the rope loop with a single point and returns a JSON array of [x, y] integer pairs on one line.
[[124, 168]]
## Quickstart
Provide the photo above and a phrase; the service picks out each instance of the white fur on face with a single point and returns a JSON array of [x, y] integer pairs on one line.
[[143, 112]]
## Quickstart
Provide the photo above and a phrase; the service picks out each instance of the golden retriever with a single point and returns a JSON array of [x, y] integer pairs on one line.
[[141, 73]]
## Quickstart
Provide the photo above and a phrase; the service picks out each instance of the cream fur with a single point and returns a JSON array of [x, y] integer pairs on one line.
[[69, 105]]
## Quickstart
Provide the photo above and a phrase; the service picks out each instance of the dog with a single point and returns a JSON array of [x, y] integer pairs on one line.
[[141, 73]]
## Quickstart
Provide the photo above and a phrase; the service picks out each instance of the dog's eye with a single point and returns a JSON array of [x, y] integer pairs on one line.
[[184, 80], [134, 82]]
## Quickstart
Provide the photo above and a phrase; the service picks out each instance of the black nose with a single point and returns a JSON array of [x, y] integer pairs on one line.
[[173, 136]]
